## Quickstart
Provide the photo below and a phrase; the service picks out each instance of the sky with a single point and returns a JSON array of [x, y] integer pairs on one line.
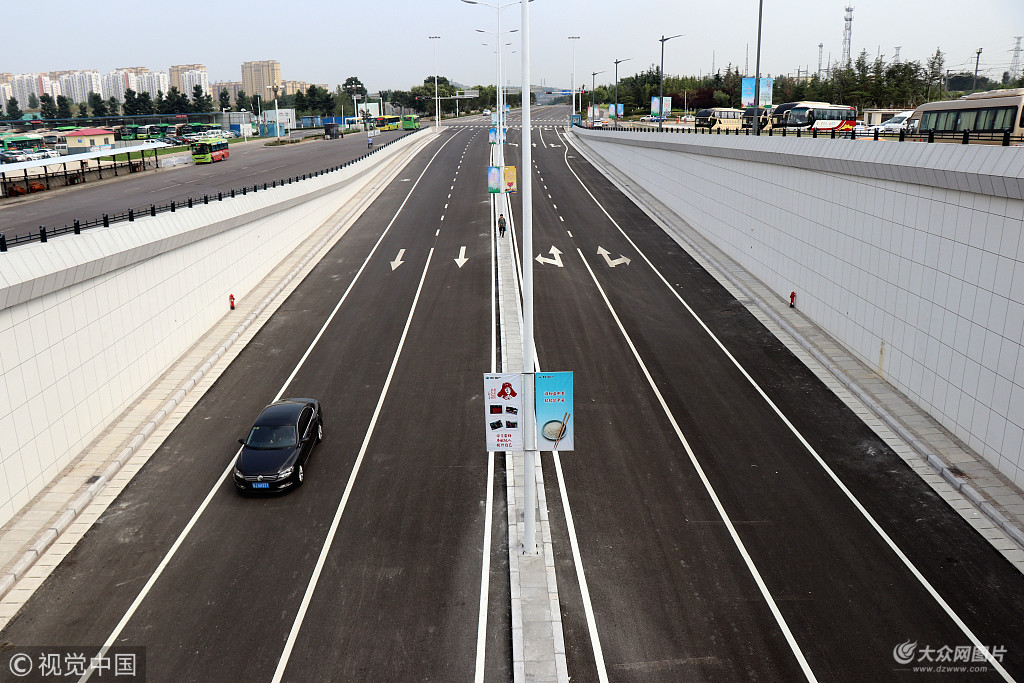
[[387, 45]]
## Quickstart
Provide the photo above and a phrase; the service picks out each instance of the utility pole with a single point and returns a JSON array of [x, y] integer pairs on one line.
[[977, 61], [820, 47]]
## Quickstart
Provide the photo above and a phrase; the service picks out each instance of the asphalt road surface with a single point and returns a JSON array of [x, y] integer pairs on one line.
[[250, 163], [732, 519]]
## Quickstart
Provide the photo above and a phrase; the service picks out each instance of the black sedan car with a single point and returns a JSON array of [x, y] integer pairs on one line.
[[275, 453]]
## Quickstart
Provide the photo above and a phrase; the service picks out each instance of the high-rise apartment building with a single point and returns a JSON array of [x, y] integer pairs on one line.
[[6, 77], [190, 79], [175, 72], [153, 82], [257, 77], [231, 86], [77, 85], [137, 70], [6, 93], [116, 82]]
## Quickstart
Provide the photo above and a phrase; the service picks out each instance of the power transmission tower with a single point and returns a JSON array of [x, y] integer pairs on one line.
[[1015, 62], [746, 62], [896, 59], [820, 46], [847, 35]]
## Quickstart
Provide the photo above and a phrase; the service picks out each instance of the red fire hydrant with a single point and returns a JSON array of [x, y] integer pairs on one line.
[[231, 300], [792, 299]]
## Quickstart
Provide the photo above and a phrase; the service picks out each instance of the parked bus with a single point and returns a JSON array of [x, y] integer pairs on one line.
[[410, 122], [764, 117], [210, 150], [823, 119], [719, 117], [983, 116], [26, 141], [389, 122], [779, 111]]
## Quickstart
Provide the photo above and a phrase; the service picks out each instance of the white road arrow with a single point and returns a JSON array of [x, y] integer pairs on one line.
[[612, 262], [398, 259], [556, 261], [462, 257]]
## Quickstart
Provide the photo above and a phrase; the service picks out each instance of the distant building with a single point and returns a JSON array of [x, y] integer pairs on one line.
[[231, 86], [258, 77], [116, 82], [153, 82], [6, 93], [175, 72], [190, 79], [292, 87], [77, 85], [6, 77]]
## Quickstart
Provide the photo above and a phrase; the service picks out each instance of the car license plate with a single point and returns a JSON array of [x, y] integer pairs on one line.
[[261, 485]]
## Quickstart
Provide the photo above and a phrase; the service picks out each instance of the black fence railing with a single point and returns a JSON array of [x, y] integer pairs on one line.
[[965, 137], [130, 215]]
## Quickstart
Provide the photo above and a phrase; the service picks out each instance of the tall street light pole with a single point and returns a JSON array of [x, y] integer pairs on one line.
[[499, 92], [277, 114], [572, 79], [437, 99], [757, 72], [593, 81], [617, 62], [661, 74]]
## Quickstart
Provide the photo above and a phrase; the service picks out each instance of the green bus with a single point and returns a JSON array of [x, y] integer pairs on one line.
[[30, 141], [210, 150], [410, 122]]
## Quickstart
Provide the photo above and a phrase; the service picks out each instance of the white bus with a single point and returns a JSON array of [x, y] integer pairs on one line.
[[985, 117]]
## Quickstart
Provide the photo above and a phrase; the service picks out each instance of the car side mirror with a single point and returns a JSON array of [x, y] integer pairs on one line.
[[241, 441]]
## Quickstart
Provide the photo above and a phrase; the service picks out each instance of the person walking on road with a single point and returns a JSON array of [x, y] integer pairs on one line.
[[501, 225]]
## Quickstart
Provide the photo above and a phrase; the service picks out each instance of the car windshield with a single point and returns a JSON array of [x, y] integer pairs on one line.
[[271, 436]]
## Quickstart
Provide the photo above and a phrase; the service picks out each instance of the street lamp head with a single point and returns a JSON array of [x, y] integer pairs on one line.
[[574, 37], [663, 38]]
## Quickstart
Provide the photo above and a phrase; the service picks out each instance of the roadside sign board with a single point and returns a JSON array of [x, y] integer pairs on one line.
[[494, 179], [553, 399], [510, 179], [503, 408]]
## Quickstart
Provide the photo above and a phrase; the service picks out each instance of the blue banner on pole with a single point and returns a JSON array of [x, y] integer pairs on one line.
[[553, 400]]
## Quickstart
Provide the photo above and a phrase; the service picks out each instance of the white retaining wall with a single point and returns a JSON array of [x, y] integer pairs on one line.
[[88, 321], [909, 254]]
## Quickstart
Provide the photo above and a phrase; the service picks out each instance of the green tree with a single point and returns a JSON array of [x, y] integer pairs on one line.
[[300, 103], [201, 102], [113, 106], [47, 107], [936, 69], [242, 102], [175, 102], [144, 104], [224, 99], [33, 101], [97, 105], [83, 110], [14, 112], [131, 103], [63, 107]]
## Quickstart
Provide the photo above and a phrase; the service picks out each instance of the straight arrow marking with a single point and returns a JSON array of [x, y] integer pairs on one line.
[[462, 257]]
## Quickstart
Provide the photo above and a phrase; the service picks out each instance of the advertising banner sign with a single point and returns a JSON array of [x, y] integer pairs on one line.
[[494, 179], [553, 394], [654, 107], [503, 405], [620, 109], [510, 179], [492, 136], [747, 92], [666, 106]]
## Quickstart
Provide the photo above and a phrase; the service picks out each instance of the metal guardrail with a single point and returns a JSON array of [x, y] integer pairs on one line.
[[964, 138], [44, 233]]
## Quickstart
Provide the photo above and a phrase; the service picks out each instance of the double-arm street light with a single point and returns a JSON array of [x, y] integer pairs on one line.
[[572, 78], [617, 62], [593, 86], [661, 74]]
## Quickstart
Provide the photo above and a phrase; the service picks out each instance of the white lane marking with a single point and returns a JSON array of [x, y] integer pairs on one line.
[[601, 251], [555, 261], [577, 558], [461, 260], [567, 232], [209, 496], [779, 619], [821, 462], [398, 259], [437, 232], [282, 664]]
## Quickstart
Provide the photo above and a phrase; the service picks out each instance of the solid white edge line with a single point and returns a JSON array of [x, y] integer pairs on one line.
[[849, 494], [293, 634], [485, 568], [209, 496], [707, 483]]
